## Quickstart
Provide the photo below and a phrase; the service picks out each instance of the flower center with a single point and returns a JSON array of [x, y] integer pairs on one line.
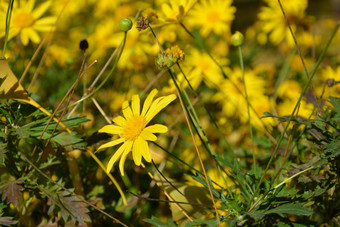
[[204, 66], [23, 20], [133, 127], [213, 17]]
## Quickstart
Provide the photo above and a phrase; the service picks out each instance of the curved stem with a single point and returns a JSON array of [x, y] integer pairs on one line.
[[248, 111]]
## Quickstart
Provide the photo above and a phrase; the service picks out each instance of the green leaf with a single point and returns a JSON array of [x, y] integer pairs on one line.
[[75, 121], [265, 142], [283, 191], [256, 214], [3, 150], [156, 222], [296, 209], [333, 148]]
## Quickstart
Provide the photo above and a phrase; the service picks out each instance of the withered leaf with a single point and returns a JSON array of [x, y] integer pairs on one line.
[[11, 191], [7, 221], [69, 205]]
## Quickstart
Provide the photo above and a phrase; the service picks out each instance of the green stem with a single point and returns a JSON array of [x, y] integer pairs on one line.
[[196, 124], [206, 109], [293, 112], [202, 44], [248, 110], [8, 23]]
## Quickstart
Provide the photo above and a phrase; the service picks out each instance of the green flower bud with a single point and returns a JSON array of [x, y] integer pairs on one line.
[[237, 39], [125, 24], [164, 62]]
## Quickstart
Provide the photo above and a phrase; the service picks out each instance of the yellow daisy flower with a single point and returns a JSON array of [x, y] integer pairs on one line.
[[274, 24], [26, 21], [328, 82], [133, 130], [212, 16], [174, 10]]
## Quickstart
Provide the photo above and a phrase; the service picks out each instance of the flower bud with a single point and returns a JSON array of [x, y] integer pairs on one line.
[[164, 62], [237, 39], [125, 24]]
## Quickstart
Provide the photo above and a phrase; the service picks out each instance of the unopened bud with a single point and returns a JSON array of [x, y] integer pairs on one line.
[[125, 24], [237, 39]]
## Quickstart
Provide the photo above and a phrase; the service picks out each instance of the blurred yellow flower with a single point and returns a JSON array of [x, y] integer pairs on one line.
[[328, 82], [274, 23], [287, 100], [212, 16], [133, 131], [175, 10], [232, 96], [101, 40], [26, 21], [199, 66]]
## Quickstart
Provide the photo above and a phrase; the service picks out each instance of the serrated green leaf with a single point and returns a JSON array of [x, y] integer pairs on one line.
[[75, 121], [296, 209], [256, 214], [333, 148], [3, 151]]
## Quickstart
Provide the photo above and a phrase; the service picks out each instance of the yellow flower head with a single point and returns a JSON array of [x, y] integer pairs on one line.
[[176, 53], [175, 10], [26, 21], [274, 23], [133, 130], [212, 16]]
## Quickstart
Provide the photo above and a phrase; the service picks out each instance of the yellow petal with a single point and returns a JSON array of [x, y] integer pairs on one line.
[[156, 128], [24, 37], [46, 22], [114, 157], [38, 12], [122, 159], [146, 135], [135, 105], [119, 120], [126, 110], [136, 153], [112, 129], [33, 35], [144, 148], [148, 101], [28, 7], [155, 109], [111, 144]]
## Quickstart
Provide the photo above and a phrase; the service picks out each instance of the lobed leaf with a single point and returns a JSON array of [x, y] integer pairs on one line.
[[69, 205], [296, 209], [11, 191]]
